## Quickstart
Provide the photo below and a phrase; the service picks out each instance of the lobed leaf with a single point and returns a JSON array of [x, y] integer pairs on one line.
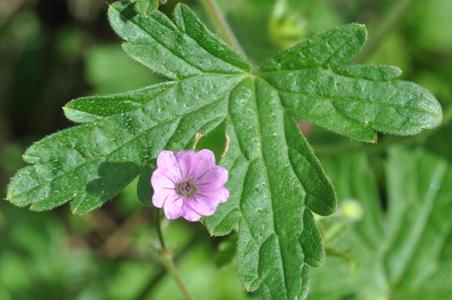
[[175, 50], [358, 100], [328, 49], [81, 164]]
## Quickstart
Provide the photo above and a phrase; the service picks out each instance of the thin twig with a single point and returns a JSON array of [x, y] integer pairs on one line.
[[167, 259], [161, 272], [392, 17], [158, 228], [221, 25]]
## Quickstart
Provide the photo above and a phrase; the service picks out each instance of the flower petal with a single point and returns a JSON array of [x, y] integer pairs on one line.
[[202, 205], [217, 196], [213, 179], [173, 207], [205, 160], [161, 180], [187, 162], [207, 156], [190, 215], [160, 196], [168, 164]]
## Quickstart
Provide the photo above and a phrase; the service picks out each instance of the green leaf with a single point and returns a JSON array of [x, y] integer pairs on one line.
[[356, 101], [176, 50], [145, 7], [216, 140], [144, 188], [92, 108], [331, 48], [226, 251], [67, 166], [400, 254], [276, 182]]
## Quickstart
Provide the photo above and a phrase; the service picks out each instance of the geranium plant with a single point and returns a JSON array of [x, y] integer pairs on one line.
[[267, 184]]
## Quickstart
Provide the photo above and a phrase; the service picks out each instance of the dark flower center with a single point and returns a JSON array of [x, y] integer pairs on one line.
[[186, 188]]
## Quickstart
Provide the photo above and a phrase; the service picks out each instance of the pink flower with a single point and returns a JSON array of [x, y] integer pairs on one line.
[[188, 184]]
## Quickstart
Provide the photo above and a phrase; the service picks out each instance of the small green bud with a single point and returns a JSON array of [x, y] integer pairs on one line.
[[351, 210]]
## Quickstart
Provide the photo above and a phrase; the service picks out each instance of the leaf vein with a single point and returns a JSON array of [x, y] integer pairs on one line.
[[259, 126]]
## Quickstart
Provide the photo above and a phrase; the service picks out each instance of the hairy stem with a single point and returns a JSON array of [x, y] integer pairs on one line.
[[161, 271], [221, 25], [392, 17], [167, 259]]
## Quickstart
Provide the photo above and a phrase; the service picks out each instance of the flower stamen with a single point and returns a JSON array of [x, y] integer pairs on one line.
[[186, 188]]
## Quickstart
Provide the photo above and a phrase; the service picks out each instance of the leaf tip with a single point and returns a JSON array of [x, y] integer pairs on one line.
[[180, 6], [330, 210], [314, 262], [12, 194], [397, 72], [361, 32], [78, 116], [9, 196], [13, 198], [34, 207], [361, 28], [437, 114], [69, 113], [433, 112]]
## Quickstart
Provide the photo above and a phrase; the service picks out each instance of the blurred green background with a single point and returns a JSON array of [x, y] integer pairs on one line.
[[52, 51]]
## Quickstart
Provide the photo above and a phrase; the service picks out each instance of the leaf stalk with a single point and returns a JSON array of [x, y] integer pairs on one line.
[[165, 254], [221, 25]]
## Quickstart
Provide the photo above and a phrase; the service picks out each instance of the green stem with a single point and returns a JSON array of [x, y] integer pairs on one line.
[[158, 228], [221, 25], [167, 259], [393, 16]]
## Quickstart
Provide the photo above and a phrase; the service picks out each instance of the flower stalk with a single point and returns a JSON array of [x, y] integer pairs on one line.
[[167, 259]]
